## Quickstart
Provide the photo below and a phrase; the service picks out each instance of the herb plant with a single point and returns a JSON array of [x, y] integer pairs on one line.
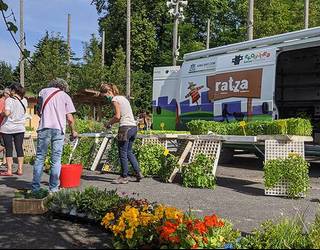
[[199, 173], [294, 170]]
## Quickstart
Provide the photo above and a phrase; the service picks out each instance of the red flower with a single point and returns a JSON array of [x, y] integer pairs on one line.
[[201, 227]]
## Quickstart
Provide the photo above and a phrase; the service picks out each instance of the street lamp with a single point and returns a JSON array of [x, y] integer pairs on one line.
[[176, 10]]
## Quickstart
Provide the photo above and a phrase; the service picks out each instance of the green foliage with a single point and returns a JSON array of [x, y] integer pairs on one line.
[[199, 173], [292, 126], [168, 164], [3, 6], [294, 170], [160, 132], [287, 234], [315, 233], [51, 58], [28, 194], [84, 152], [150, 158], [6, 74], [87, 126]]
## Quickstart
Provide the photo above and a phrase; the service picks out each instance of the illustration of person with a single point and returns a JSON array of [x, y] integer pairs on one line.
[[194, 92]]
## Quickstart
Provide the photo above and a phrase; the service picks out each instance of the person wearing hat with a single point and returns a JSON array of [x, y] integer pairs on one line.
[[55, 108], [13, 126]]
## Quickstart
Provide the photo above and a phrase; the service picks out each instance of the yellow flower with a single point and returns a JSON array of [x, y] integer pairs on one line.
[[166, 152], [293, 154], [221, 238], [107, 218], [129, 233], [121, 226], [243, 124]]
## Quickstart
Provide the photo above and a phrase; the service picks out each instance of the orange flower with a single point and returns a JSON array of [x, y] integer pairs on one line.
[[201, 227], [205, 240]]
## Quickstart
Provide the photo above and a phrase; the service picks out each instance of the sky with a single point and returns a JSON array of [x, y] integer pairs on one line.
[[52, 16]]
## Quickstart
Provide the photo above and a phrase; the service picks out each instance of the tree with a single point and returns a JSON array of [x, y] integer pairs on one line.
[[6, 74], [91, 72], [50, 60]]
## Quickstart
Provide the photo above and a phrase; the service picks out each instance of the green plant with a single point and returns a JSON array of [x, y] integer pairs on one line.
[[64, 199], [294, 170], [286, 234], [84, 151], [87, 126], [314, 235], [150, 158], [28, 194], [29, 159], [199, 173], [168, 163], [292, 126]]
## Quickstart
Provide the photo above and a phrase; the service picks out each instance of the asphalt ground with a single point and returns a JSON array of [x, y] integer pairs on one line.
[[238, 197]]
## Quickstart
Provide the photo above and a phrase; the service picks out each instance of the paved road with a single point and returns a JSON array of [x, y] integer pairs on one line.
[[238, 197]]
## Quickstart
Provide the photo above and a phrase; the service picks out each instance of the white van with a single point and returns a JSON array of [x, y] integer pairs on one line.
[[268, 78]]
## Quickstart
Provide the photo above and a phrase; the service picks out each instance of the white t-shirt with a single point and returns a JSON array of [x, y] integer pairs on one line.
[[126, 115], [15, 122]]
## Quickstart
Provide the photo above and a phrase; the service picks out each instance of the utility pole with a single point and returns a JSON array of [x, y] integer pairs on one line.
[[21, 43], [176, 11], [69, 47], [102, 47], [208, 34], [250, 20], [306, 14], [128, 75]]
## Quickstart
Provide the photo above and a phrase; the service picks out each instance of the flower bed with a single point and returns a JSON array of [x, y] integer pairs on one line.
[[137, 223]]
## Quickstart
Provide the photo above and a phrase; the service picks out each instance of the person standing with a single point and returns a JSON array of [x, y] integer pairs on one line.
[[127, 132], [13, 126], [55, 109], [3, 96]]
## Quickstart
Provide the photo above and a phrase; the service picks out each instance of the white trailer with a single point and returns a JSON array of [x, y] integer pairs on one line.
[[268, 78]]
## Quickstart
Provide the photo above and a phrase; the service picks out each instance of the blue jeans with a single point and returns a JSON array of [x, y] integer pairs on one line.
[[45, 137], [125, 153]]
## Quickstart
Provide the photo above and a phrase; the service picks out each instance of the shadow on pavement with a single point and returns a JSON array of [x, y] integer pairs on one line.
[[34, 232], [241, 186]]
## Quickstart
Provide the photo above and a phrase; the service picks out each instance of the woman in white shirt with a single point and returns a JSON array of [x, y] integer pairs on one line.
[[127, 131], [13, 126]]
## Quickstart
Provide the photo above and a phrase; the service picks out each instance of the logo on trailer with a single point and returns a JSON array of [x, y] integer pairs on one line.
[[194, 92], [235, 84]]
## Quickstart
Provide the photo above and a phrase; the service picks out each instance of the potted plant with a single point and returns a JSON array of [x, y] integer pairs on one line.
[[287, 177], [28, 202]]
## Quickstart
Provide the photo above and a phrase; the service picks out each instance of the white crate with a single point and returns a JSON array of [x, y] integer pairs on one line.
[[209, 148], [275, 149], [280, 189], [154, 140]]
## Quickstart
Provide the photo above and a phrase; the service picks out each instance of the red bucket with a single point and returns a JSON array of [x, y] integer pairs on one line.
[[70, 175]]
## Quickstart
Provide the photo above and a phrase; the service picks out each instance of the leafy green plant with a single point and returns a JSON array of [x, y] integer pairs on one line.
[[294, 170], [286, 234], [199, 173], [292, 126], [64, 199], [150, 158], [28, 194], [66, 152], [314, 234], [87, 126], [168, 163], [84, 151]]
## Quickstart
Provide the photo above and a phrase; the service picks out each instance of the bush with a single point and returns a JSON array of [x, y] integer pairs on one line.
[[199, 173], [314, 235], [84, 151]]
